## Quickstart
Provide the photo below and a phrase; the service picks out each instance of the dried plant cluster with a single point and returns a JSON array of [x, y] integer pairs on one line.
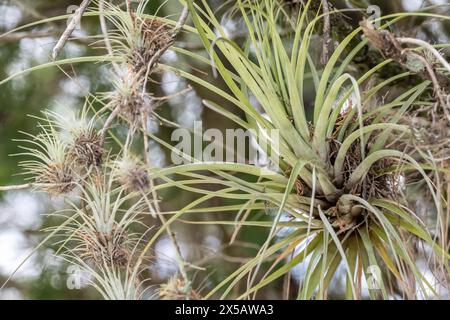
[[87, 149], [176, 289], [56, 178], [132, 175], [104, 248], [153, 37], [356, 161], [129, 102], [50, 167]]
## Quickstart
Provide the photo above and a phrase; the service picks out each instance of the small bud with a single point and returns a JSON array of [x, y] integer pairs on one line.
[[132, 175]]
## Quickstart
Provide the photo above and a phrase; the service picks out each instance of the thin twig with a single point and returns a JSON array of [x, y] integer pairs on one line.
[[326, 32], [104, 28], [16, 36], [16, 187], [181, 21], [109, 121], [70, 28], [161, 217]]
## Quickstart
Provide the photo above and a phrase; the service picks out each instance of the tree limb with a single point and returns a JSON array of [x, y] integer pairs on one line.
[[70, 28]]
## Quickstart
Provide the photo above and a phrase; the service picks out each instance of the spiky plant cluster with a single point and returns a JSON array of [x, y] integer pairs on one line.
[[99, 236], [87, 149], [56, 178], [107, 239], [112, 283], [152, 37], [105, 248], [67, 146], [176, 289], [384, 178], [50, 169], [347, 171], [98, 233], [132, 175], [140, 38], [129, 101]]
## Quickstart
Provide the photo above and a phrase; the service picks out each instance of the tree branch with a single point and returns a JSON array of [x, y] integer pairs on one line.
[[70, 28], [326, 33], [17, 36], [16, 187]]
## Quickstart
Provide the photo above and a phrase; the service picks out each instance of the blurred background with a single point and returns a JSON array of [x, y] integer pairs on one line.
[[44, 276]]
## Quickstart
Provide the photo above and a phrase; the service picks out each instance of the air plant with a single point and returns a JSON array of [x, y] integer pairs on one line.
[[152, 37], [50, 169], [102, 211], [341, 173], [84, 142], [128, 100], [176, 289], [346, 171], [112, 283], [132, 175], [138, 38], [99, 237], [105, 248]]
